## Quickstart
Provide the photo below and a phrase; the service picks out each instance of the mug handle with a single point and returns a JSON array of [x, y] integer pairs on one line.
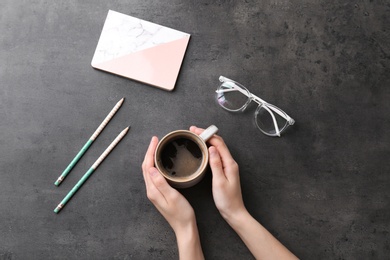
[[208, 133]]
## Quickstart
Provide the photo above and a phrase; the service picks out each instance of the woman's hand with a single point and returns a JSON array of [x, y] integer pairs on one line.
[[173, 206], [226, 179], [228, 200]]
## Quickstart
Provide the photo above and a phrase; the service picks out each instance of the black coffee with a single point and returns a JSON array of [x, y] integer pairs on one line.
[[181, 157]]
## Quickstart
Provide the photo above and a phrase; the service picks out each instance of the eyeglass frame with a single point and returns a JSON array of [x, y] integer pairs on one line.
[[261, 103]]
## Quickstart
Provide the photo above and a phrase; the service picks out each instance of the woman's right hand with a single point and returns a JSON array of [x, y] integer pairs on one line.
[[228, 199], [226, 180]]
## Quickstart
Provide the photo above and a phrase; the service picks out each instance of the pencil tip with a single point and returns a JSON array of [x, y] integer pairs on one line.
[[121, 101]]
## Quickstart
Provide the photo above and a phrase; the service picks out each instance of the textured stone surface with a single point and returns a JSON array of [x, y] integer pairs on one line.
[[322, 189]]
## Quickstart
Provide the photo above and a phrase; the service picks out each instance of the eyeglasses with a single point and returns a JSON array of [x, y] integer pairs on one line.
[[234, 97]]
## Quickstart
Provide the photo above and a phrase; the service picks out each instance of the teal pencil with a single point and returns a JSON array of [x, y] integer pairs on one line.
[[91, 170], [90, 141]]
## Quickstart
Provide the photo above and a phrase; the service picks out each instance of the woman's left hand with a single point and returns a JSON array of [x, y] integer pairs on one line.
[[168, 201]]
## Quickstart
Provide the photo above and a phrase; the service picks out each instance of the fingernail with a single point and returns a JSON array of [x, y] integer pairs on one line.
[[213, 151]]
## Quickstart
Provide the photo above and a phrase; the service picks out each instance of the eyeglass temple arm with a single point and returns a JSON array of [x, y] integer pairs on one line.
[[273, 119], [274, 108], [258, 101]]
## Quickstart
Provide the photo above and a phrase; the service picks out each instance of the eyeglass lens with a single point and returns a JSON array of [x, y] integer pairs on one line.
[[265, 122], [231, 98], [235, 98]]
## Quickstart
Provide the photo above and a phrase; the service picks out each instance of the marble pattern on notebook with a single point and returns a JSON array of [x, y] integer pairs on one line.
[[123, 34]]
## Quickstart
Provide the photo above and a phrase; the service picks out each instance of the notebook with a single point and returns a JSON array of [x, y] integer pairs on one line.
[[140, 50]]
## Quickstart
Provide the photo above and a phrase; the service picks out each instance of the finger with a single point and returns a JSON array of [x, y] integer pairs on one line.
[[216, 165], [150, 152], [223, 150], [149, 159], [219, 144], [161, 184], [154, 194], [196, 130]]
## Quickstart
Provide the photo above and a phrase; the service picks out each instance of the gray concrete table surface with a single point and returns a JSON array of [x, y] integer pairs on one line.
[[322, 189]]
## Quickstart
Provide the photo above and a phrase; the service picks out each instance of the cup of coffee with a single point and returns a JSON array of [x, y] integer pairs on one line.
[[182, 156]]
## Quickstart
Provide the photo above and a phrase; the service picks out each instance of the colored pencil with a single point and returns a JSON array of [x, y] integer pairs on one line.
[[89, 142], [91, 170]]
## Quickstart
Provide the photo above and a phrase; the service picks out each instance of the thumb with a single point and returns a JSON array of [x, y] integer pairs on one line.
[[216, 164], [160, 182]]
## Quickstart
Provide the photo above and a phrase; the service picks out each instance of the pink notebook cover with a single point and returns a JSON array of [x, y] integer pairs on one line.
[[140, 50]]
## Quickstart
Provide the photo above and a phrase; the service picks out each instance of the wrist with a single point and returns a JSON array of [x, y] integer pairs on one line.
[[238, 218], [188, 242], [186, 232]]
